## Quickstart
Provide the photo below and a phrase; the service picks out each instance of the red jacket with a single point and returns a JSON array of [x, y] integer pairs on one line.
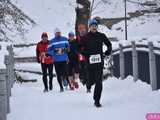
[[41, 51]]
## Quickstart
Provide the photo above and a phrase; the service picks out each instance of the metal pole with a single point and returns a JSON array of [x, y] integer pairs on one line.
[[125, 6]]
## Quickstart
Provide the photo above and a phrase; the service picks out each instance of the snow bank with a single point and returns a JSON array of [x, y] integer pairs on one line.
[[25, 51], [28, 66]]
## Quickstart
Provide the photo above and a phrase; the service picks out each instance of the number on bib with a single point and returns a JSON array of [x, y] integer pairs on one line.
[[95, 59], [59, 51]]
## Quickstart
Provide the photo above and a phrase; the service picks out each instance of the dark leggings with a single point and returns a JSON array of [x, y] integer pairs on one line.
[[73, 67], [46, 67], [61, 72], [95, 77], [83, 71]]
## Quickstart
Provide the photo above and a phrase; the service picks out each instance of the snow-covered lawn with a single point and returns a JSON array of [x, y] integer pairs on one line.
[[28, 66], [121, 100]]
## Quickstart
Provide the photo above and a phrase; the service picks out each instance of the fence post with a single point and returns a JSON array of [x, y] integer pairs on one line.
[[11, 55], [121, 59], [152, 65], [8, 80], [134, 61], [111, 60], [3, 95]]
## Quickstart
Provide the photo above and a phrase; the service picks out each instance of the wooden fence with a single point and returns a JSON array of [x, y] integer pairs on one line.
[[7, 79], [140, 61]]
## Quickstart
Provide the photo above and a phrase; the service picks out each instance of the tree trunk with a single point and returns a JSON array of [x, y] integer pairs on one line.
[[82, 13]]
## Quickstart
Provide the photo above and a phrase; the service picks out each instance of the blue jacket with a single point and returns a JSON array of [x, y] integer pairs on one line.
[[58, 48]]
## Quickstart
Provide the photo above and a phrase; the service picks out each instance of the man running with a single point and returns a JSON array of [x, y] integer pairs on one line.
[[93, 51], [58, 49], [73, 65]]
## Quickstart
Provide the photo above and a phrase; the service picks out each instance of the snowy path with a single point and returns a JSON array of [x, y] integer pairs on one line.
[[121, 100]]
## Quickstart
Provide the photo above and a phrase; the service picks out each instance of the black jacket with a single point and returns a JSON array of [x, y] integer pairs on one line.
[[93, 44], [73, 52]]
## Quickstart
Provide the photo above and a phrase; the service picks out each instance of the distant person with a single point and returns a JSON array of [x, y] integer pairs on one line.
[[73, 65], [93, 52], [45, 60], [58, 49], [82, 30]]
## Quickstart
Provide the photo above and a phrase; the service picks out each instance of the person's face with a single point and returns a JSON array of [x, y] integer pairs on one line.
[[82, 29], [83, 32], [93, 28], [71, 37], [57, 34], [44, 39]]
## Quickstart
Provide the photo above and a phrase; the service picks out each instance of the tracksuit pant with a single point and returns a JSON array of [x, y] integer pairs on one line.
[[45, 68], [61, 72], [95, 77], [82, 72]]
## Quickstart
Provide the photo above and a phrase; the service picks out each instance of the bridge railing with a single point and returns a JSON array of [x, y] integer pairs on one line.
[[7, 79], [135, 59]]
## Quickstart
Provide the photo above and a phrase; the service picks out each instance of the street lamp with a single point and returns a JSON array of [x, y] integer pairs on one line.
[[125, 6]]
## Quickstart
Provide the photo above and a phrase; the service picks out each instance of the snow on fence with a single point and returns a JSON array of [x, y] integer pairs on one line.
[[7, 78], [141, 61]]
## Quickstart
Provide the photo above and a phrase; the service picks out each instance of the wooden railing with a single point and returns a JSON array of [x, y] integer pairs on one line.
[[7, 79]]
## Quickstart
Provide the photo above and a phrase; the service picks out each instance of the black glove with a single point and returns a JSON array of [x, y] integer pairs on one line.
[[38, 60], [47, 55], [84, 53], [103, 55], [107, 53]]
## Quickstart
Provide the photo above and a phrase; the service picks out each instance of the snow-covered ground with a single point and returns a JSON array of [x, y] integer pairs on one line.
[[143, 27], [121, 99], [25, 51]]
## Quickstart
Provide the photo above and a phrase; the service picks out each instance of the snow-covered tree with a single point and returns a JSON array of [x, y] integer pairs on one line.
[[12, 20]]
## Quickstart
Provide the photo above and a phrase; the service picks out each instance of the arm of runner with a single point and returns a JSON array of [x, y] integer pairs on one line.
[[50, 50], [37, 54], [108, 44]]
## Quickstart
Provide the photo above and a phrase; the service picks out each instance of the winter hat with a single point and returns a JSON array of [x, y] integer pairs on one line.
[[70, 34], [44, 34], [57, 30], [93, 22]]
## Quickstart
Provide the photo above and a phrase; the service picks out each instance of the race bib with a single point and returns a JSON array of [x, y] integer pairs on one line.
[[59, 51], [95, 59]]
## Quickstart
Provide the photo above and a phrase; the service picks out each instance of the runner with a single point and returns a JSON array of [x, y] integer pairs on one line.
[[45, 60]]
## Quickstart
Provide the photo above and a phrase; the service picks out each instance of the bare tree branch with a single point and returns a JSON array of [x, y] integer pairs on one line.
[[97, 5]]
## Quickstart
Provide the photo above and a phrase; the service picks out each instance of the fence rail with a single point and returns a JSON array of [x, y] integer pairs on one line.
[[25, 59], [137, 46]]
